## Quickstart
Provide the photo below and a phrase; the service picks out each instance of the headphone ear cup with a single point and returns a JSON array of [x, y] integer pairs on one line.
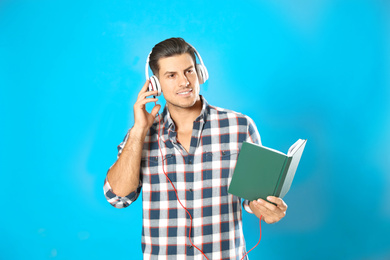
[[154, 85], [202, 73]]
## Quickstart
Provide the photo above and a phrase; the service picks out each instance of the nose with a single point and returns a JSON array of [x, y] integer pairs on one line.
[[184, 80]]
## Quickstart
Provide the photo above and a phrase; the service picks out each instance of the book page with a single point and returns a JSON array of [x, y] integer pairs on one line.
[[295, 146]]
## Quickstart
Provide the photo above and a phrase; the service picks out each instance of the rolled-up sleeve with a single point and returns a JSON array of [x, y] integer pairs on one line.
[[253, 135], [115, 200], [245, 205], [118, 201]]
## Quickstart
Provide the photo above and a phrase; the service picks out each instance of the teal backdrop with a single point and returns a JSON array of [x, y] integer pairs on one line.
[[70, 72]]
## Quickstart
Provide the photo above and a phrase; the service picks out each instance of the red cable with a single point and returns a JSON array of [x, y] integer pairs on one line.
[[189, 233], [257, 242]]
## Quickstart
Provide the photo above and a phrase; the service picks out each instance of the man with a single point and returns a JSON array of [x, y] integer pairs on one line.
[[196, 145]]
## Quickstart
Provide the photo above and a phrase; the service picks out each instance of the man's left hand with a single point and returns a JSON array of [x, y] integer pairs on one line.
[[270, 212]]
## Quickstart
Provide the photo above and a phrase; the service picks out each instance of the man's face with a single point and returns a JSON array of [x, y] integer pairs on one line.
[[179, 81]]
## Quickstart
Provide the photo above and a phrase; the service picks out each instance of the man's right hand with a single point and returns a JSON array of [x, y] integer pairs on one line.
[[143, 120]]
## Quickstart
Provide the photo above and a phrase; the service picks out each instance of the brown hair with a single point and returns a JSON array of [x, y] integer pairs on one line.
[[168, 48]]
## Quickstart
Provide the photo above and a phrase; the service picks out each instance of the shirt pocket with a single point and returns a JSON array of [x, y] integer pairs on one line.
[[229, 155], [228, 159], [222, 162], [223, 155], [153, 172]]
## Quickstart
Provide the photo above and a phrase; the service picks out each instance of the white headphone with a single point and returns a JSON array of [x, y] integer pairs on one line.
[[154, 84]]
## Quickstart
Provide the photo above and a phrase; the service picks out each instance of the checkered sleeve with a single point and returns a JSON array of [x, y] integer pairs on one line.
[[253, 136], [115, 200], [118, 201]]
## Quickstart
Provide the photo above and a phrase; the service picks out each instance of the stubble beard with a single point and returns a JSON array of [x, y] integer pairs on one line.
[[183, 105]]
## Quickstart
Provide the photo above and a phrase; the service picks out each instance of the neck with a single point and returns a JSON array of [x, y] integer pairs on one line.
[[185, 117]]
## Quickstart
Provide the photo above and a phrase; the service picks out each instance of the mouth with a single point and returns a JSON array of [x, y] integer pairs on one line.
[[184, 92]]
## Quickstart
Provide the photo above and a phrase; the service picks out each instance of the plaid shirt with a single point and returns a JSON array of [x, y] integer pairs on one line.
[[201, 177]]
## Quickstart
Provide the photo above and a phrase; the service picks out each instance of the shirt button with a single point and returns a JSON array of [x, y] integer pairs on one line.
[[191, 190], [190, 246], [190, 161]]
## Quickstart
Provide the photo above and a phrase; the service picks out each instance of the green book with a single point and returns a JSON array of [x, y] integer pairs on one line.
[[262, 171]]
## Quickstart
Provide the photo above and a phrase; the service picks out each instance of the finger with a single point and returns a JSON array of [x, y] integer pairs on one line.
[[144, 88], [143, 102], [260, 210], [278, 201], [155, 110], [270, 208], [267, 205], [261, 207], [147, 94]]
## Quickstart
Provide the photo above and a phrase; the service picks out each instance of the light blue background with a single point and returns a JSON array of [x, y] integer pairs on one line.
[[70, 72]]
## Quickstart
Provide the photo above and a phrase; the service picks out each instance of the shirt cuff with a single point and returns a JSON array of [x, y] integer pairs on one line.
[[118, 201], [245, 205]]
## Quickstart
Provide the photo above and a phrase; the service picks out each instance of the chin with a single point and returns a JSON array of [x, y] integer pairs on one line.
[[183, 104]]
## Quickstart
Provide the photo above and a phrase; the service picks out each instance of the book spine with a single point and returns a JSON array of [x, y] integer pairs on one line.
[[282, 176]]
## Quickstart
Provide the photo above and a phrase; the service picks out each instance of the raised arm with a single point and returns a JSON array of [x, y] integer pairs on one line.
[[124, 175]]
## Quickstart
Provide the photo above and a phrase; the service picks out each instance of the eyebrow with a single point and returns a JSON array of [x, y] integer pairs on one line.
[[169, 72]]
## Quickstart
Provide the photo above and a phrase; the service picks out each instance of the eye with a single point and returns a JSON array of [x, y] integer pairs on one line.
[[190, 71], [171, 76]]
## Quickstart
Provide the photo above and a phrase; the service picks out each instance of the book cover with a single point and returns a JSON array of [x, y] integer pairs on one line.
[[261, 172]]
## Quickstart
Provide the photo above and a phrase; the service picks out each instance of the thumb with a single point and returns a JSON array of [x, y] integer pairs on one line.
[[155, 110]]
